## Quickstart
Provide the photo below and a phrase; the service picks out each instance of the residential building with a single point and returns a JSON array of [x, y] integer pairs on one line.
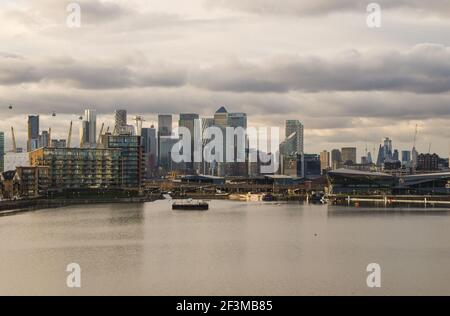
[[33, 132]]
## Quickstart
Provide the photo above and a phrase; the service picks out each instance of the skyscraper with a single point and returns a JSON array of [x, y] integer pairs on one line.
[[296, 127], [2, 151], [88, 138], [165, 141], [324, 160], [164, 125], [238, 168], [349, 155], [120, 118], [188, 120], [336, 159], [149, 147], [33, 132], [221, 118]]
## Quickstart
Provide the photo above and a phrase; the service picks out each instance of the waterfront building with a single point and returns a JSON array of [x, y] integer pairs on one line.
[[80, 168], [150, 151], [324, 161], [349, 155], [33, 181], [33, 132], [2, 151], [348, 181], [427, 162], [312, 165], [9, 184], [131, 158]]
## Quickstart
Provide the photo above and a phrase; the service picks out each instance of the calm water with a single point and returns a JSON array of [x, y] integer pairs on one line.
[[234, 249]]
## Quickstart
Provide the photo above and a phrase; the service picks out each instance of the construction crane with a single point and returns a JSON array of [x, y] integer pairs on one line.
[[415, 135], [69, 137], [99, 140], [13, 140]]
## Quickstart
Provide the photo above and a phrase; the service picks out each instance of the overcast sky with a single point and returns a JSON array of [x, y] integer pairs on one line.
[[316, 61]]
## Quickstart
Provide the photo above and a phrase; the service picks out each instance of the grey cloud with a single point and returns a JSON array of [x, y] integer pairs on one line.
[[423, 69], [304, 8]]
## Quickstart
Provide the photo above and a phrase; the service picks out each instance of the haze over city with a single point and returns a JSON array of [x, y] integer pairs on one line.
[[319, 63]]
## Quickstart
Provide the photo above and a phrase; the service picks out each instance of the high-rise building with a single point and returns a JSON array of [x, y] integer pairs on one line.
[[44, 139], [165, 141], [188, 120], [2, 151], [238, 168], [336, 159], [296, 127], [120, 124], [349, 155], [33, 132], [164, 125], [88, 131], [221, 118], [150, 151], [324, 161], [406, 157]]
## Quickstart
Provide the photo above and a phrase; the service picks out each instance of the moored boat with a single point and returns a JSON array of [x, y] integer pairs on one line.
[[190, 205]]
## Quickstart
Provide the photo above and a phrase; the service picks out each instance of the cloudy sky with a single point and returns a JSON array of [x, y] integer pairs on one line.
[[316, 61]]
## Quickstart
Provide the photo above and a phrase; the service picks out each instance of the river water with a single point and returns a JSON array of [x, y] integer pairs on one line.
[[236, 248]]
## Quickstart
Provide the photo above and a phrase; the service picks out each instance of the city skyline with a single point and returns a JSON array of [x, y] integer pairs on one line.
[[348, 84]]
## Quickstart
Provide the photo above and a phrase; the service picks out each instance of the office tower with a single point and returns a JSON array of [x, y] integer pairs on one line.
[[396, 155], [349, 155], [33, 132], [221, 121], [44, 139], [120, 117], [336, 159], [2, 151], [221, 118], [385, 152], [188, 120], [406, 157], [164, 140], [164, 125], [324, 160], [369, 158], [238, 168], [296, 127], [88, 136], [414, 157], [150, 151]]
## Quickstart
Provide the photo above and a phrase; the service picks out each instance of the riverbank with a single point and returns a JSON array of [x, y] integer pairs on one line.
[[11, 207]]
